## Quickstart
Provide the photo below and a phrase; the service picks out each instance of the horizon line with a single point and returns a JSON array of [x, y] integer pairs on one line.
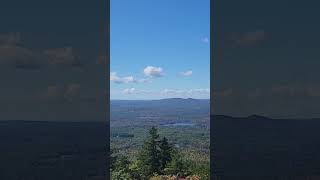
[[158, 99]]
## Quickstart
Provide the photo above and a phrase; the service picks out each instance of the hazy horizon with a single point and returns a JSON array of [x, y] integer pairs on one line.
[[159, 99]]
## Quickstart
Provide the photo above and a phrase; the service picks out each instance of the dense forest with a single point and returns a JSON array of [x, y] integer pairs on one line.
[[158, 159]]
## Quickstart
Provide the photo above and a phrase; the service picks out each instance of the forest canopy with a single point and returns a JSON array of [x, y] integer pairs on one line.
[[158, 159]]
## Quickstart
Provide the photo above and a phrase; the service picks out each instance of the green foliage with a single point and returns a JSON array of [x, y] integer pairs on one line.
[[136, 170], [158, 159], [122, 162], [121, 175], [170, 177], [121, 169], [201, 169], [177, 166], [165, 152], [149, 158]]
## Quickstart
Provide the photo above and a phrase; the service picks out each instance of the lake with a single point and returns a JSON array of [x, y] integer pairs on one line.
[[179, 124]]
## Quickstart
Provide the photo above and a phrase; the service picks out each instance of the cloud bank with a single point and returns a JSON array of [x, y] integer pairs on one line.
[[168, 93], [13, 54], [125, 80]]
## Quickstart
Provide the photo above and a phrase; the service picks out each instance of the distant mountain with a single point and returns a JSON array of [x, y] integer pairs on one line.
[[258, 146], [164, 100], [256, 117], [137, 112], [251, 117], [182, 100], [170, 102], [259, 117]]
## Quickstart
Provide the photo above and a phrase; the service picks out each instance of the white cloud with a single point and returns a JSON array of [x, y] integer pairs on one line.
[[199, 91], [185, 93], [205, 39], [129, 79], [172, 92], [135, 91], [186, 73], [12, 53], [165, 93], [64, 56], [113, 76], [19, 57], [116, 79], [169, 92], [125, 80], [149, 71], [152, 71], [147, 80], [128, 91]]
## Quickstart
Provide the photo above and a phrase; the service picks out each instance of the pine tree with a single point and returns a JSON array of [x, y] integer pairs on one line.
[[148, 159], [165, 152], [121, 169], [177, 166]]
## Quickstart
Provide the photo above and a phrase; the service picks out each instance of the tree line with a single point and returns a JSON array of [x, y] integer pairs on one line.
[[156, 160]]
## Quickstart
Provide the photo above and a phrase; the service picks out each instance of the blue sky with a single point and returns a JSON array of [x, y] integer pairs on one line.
[[268, 58], [48, 60], [160, 49]]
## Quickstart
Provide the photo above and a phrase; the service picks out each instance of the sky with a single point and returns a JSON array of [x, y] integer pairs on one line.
[[49, 60], [159, 49], [266, 58]]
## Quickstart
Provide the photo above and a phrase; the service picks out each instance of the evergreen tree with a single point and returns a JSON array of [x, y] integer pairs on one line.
[[148, 159], [121, 169], [165, 152], [113, 159], [135, 171], [177, 166], [120, 175], [201, 169]]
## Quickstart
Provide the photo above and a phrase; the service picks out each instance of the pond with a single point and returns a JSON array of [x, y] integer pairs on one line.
[[179, 124]]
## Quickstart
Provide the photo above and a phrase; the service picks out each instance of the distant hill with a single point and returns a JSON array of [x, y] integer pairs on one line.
[[172, 102], [259, 118], [250, 117], [166, 105], [152, 112], [183, 100], [258, 147]]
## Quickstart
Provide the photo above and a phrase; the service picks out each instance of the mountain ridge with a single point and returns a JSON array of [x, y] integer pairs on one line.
[[164, 99]]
